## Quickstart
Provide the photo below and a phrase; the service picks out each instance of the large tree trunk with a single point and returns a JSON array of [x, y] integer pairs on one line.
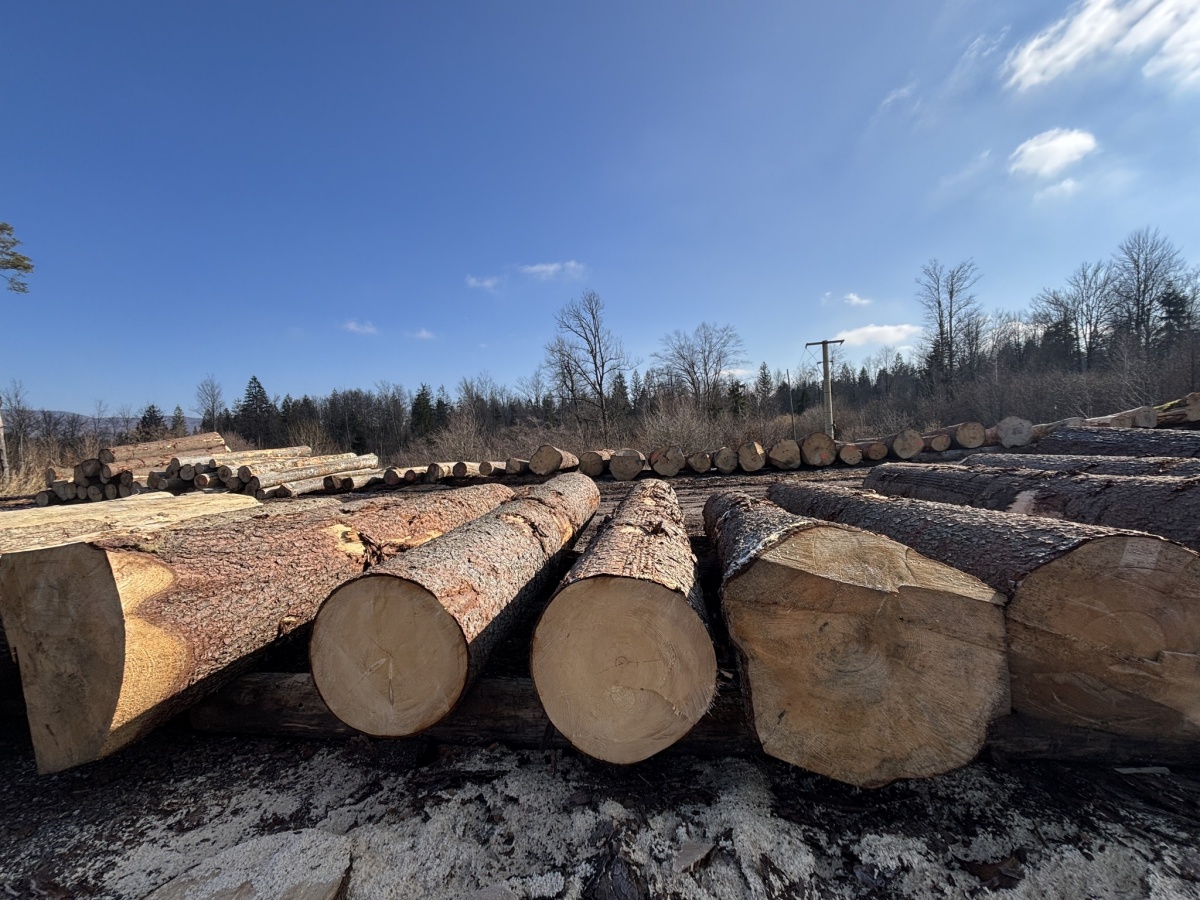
[[818, 449], [594, 463], [784, 454], [621, 657], [627, 464], [117, 634], [905, 444], [862, 660], [1011, 431], [1169, 507], [164, 450], [547, 460], [1092, 465], [751, 456], [725, 460], [1103, 625], [507, 711], [700, 462], [1121, 442], [393, 650], [667, 461]]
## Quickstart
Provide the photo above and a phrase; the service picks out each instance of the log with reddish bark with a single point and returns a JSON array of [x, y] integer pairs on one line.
[[116, 634], [725, 460], [1140, 417], [905, 443], [872, 450], [700, 462], [621, 656], [393, 650], [751, 456], [594, 463], [1011, 431], [1178, 412], [1092, 465], [1083, 441], [784, 454], [162, 451], [626, 464], [965, 435], [547, 460], [1166, 506], [667, 461], [818, 449], [1103, 624], [849, 454], [507, 711], [861, 660]]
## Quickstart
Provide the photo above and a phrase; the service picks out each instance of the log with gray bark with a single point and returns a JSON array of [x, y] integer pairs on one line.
[[507, 711], [116, 634], [547, 460], [626, 464], [1169, 507], [621, 656], [1040, 431], [862, 661], [1103, 624], [393, 650], [1092, 465], [1082, 441]]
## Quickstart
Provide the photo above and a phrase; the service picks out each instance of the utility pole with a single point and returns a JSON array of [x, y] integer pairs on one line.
[[828, 383]]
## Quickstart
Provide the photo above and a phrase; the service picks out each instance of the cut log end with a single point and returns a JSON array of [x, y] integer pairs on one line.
[[1131, 605], [624, 668], [889, 668], [408, 676]]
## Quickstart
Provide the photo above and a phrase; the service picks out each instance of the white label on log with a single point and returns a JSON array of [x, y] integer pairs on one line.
[[1024, 503], [1140, 553]]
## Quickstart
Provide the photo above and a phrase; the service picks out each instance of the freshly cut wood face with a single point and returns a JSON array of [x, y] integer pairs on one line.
[[1108, 636], [411, 671], [866, 661], [624, 667]]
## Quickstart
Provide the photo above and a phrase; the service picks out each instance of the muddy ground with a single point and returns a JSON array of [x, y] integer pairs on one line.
[[416, 819]]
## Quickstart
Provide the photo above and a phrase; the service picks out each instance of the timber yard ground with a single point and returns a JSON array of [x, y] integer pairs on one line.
[[417, 819]]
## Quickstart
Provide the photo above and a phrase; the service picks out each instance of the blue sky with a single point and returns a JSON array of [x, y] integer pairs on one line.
[[331, 195]]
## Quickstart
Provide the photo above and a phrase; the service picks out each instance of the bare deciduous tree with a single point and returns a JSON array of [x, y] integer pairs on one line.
[[1144, 269], [1085, 306], [210, 402], [701, 360], [952, 317]]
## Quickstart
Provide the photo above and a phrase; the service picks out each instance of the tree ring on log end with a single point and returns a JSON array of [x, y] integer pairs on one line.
[[1108, 636], [624, 667], [387, 658]]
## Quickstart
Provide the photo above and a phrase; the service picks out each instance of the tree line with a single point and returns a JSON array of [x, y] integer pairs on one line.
[[1117, 332]]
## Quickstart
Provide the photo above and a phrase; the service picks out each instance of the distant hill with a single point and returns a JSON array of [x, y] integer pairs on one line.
[[108, 423]]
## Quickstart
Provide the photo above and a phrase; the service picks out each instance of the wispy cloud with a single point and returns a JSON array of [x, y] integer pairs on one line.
[[737, 373], [880, 334], [1064, 188], [356, 327], [570, 269], [1164, 32], [423, 334], [899, 94], [488, 284], [852, 299], [1049, 153]]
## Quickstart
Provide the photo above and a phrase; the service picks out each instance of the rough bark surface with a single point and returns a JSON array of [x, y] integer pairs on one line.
[[117, 634], [862, 660], [622, 657], [1040, 431], [1103, 624], [547, 460], [1165, 506], [164, 450], [261, 480], [1175, 466], [1084, 441], [393, 650]]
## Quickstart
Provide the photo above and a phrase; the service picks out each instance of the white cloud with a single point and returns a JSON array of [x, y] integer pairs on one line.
[[423, 334], [1064, 188], [549, 271], [738, 373], [356, 327], [487, 284], [1164, 32], [900, 93], [852, 299], [879, 334], [1048, 153]]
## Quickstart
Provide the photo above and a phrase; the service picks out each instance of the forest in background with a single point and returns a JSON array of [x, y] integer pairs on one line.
[[1117, 333]]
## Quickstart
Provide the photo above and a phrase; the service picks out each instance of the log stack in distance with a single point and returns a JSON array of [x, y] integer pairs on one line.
[[863, 661], [621, 657], [393, 650]]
